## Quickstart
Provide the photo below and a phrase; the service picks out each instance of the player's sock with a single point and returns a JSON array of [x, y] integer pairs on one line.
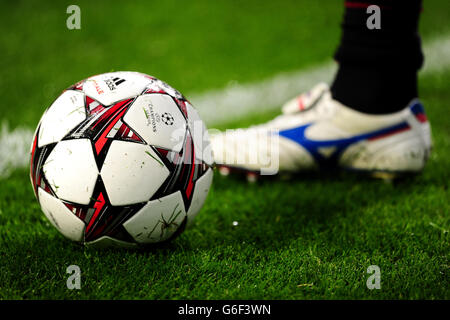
[[378, 63]]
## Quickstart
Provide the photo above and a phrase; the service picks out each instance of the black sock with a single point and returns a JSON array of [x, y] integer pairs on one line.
[[378, 67]]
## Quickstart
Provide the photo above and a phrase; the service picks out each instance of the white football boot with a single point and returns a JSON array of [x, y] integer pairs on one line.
[[314, 132]]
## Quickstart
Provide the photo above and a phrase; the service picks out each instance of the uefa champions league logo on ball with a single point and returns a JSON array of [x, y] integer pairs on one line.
[[167, 119]]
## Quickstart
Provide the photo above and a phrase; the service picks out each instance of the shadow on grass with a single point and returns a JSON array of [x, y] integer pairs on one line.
[[270, 213], [277, 211]]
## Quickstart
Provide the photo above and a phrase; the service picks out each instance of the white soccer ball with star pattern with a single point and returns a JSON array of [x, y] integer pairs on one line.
[[122, 159]]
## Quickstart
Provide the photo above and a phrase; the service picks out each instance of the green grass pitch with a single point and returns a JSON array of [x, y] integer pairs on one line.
[[310, 237]]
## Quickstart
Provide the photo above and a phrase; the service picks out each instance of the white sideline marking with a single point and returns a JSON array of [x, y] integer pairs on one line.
[[238, 100], [14, 148], [437, 55], [232, 102]]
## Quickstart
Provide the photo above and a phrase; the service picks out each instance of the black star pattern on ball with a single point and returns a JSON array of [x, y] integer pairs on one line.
[[167, 119]]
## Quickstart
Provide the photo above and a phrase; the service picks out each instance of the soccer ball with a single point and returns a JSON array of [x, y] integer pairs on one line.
[[121, 159]]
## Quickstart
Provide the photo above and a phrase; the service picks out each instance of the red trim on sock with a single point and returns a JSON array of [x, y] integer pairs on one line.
[[362, 5]]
